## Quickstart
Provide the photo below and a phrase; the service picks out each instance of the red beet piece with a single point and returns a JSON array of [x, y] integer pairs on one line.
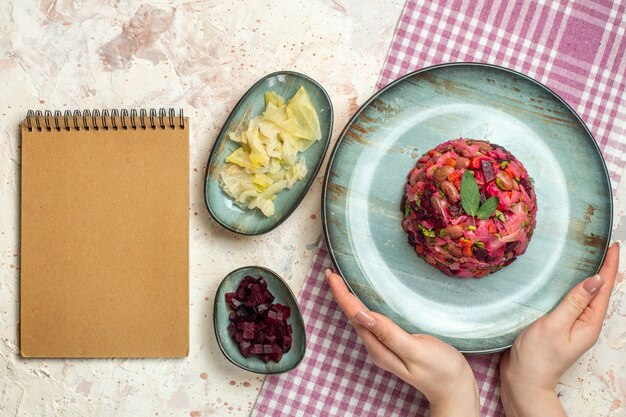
[[287, 341], [268, 297], [248, 330], [256, 349], [244, 348], [487, 170], [229, 296], [260, 308]]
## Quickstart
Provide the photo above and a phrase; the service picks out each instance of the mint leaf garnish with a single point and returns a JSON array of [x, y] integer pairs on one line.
[[488, 207], [470, 196]]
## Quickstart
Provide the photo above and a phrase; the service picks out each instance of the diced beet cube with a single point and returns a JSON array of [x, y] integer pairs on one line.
[[256, 349], [241, 293], [275, 317], [245, 283], [260, 308], [238, 336], [235, 303], [267, 349], [244, 348], [286, 343], [268, 297], [232, 315], [277, 356], [265, 358], [289, 329], [487, 170], [262, 281], [286, 312], [229, 297], [270, 328]]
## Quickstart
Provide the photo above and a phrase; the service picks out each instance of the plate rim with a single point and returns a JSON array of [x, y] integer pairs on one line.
[[223, 132], [400, 80]]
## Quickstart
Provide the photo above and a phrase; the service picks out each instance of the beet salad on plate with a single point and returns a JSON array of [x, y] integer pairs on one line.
[[469, 207]]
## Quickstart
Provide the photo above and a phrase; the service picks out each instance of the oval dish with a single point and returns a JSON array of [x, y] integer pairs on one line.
[[252, 222], [284, 296]]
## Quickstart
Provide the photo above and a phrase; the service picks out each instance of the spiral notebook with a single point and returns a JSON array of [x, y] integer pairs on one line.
[[104, 234]]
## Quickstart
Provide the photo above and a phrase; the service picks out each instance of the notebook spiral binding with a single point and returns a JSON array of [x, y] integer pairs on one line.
[[77, 120]]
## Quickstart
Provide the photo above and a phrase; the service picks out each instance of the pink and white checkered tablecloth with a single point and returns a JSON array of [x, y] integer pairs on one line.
[[577, 48]]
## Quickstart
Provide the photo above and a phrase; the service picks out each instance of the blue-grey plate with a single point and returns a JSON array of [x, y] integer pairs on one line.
[[284, 296], [367, 172], [221, 207]]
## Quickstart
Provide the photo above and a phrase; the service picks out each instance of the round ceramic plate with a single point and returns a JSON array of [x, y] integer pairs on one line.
[[366, 176]]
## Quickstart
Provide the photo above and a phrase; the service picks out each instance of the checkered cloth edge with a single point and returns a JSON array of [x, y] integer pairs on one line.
[[577, 49]]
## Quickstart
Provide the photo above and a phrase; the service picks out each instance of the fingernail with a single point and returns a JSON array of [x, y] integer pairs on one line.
[[616, 243], [593, 284], [328, 273], [365, 319]]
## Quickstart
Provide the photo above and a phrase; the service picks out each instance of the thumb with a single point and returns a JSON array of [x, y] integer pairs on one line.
[[575, 302]]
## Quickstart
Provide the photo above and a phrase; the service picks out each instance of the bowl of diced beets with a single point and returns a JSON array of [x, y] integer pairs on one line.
[[257, 322]]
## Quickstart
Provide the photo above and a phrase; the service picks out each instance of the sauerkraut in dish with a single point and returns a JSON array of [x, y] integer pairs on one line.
[[469, 207], [268, 159]]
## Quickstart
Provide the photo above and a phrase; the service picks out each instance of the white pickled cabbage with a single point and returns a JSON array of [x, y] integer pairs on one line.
[[267, 161]]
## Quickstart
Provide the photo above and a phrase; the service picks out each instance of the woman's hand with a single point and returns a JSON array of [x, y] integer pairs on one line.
[[435, 368], [548, 347]]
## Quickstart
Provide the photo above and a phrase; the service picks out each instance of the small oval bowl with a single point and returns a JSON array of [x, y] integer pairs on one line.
[[284, 296], [221, 207]]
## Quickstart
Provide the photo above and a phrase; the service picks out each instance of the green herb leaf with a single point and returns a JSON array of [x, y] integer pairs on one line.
[[532, 179], [427, 232], [500, 216], [487, 208], [471, 228], [406, 209], [479, 244], [470, 196], [504, 164], [442, 233]]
